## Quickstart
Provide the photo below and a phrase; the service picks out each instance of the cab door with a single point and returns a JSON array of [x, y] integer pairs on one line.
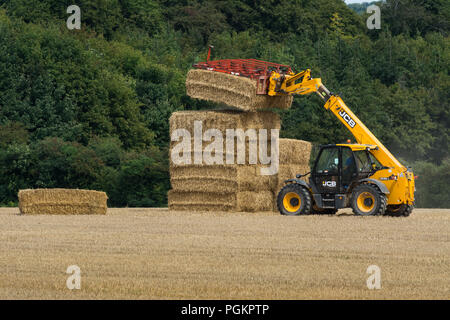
[[349, 172], [326, 172]]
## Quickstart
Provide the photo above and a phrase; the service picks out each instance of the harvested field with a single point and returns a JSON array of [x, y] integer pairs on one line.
[[161, 254], [235, 91], [62, 201]]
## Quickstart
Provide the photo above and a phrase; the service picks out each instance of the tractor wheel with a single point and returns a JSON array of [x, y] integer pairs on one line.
[[368, 200], [401, 210], [293, 200]]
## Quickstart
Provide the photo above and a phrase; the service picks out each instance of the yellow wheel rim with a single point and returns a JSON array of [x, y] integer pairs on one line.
[[365, 201], [292, 201]]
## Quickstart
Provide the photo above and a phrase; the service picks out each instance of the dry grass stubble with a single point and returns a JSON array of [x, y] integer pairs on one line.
[[157, 254]]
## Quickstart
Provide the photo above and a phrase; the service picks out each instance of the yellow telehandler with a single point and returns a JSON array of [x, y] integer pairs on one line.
[[364, 176]]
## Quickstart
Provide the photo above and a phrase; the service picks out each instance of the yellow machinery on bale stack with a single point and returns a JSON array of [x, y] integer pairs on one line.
[[364, 176]]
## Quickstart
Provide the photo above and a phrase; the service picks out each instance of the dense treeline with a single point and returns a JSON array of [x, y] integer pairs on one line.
[[89, 108], [361, 8]]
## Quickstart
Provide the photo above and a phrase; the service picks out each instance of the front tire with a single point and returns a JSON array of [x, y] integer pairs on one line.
[[293, 200], [401, 210], [368, 200]]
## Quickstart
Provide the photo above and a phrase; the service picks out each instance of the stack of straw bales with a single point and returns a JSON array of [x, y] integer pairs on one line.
[[221, 187], [231, 187], [62, 201]]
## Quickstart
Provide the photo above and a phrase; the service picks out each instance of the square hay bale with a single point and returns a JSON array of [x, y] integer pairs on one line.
[[222, 120], [220, 178], [249, 178], [247, 201], [62, 201], [201, 201], [217, 157], [294, 151], [235, 91]]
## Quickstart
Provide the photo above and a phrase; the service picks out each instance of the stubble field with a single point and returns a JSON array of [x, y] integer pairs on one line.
[[159, 254]]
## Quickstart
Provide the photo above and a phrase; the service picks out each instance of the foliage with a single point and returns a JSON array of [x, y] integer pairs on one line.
[[128, 177], [432, 184], [361, 8]]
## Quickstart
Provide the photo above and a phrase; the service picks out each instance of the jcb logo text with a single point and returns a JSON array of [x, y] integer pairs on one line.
[[347, 118]]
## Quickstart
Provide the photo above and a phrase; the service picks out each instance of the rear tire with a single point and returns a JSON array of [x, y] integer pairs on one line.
[[368, 200], [293, 200], [402, 210]]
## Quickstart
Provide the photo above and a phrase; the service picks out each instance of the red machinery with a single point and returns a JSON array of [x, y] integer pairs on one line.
[[250, 68]]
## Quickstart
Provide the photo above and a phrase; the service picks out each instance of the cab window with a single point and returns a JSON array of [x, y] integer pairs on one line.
[[328, 161], [374, 161], [348, 164], [363, 162]]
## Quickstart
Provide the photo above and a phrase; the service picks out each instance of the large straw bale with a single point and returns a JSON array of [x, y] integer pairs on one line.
[[249, 201], [62, 201], [208, 201], [294, 151], [235, 91], [201, 201], [204, 184], [226, 119], [175, 206], [222, 154], [220, 178], [204, 171], [221, 158], [250, 179]]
